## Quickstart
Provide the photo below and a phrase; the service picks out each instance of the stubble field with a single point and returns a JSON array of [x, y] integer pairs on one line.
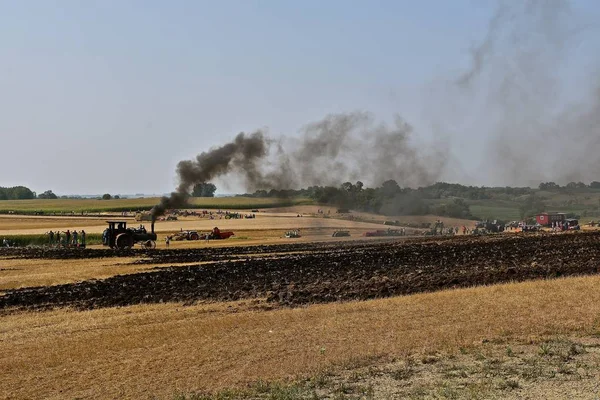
[[505, 316]]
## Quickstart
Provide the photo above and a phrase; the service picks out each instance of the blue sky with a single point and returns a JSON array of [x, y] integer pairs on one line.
[[107, 96]]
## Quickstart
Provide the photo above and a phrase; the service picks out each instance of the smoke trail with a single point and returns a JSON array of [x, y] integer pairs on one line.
[[240, 156], [522, 70], [353, 146], [481, 52], [514, 86], [349, 147], [339, 148]]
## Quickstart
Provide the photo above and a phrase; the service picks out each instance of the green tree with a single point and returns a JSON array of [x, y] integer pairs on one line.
[[458, 208], [390, 188], [531, 206], [549, 186], [48, 194], [204, 189], [106, 196], [16, 193]]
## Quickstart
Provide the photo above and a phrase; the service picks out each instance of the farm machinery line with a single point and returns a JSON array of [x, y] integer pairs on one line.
[[385, 232], [215, 234]]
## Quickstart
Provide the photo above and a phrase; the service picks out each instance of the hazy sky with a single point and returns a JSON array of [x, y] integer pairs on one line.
[[107, 96]]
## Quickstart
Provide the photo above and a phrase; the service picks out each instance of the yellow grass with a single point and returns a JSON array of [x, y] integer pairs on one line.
[[23, 273], [142, 351], [369, 217], [14, 225], [79, 205], [31, 223]]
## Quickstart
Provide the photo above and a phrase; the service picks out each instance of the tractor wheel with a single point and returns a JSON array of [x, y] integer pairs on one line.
[[149, 244], [194, 236], [123, 241]]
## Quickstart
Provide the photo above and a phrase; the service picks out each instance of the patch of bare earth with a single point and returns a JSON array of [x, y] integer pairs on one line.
[[553, 368]]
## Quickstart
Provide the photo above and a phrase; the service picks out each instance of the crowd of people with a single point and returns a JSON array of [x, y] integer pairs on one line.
[[67, 238]]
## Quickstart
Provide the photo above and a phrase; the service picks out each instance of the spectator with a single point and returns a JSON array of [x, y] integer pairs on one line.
[[82, 239]]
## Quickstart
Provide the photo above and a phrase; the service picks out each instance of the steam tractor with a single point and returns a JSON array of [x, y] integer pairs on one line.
[[119, 236]]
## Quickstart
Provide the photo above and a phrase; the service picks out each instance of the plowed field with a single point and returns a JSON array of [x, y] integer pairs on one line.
[[297, 274]]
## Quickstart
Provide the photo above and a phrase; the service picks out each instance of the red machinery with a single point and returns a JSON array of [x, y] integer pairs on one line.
[[384, 232], [217, 234]]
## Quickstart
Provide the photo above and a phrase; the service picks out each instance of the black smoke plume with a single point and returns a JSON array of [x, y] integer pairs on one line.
[[515, 96], [240, 156], [339, 148]]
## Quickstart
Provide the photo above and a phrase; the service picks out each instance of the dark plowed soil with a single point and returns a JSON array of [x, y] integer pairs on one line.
[[363, 271], [52, 253], [168, 256]]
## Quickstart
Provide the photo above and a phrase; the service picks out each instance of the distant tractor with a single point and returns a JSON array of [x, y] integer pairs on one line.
[[572, 224], [494, 226], [143, 216], [118, 236], [341, 234], [186, 235], [293, 234]]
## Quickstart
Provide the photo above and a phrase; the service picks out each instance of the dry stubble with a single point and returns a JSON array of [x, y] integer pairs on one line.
[[142, 351]]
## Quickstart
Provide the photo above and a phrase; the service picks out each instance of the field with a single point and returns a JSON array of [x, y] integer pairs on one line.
[[260, 316], [79, 206], [292, 320]]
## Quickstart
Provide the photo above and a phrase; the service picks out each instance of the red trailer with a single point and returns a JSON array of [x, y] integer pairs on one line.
[[547, 218], [217, 234]]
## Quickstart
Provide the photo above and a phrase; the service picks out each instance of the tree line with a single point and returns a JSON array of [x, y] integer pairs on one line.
[[389, 198], [16, 193], [571, 186], [441, 198]]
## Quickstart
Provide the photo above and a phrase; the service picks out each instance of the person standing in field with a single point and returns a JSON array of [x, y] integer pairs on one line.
[[51, 237], [75, 242], [68, 238], [167, 240], [57, 238], [82, 239]]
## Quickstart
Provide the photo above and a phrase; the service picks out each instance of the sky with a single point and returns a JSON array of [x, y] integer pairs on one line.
[[107, 96]]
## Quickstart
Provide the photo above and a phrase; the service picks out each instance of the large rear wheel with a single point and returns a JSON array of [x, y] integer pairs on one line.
[[123, 241], [194, 236]]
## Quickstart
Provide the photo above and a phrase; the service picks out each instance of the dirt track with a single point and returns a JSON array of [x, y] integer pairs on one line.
[[304, 273]]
